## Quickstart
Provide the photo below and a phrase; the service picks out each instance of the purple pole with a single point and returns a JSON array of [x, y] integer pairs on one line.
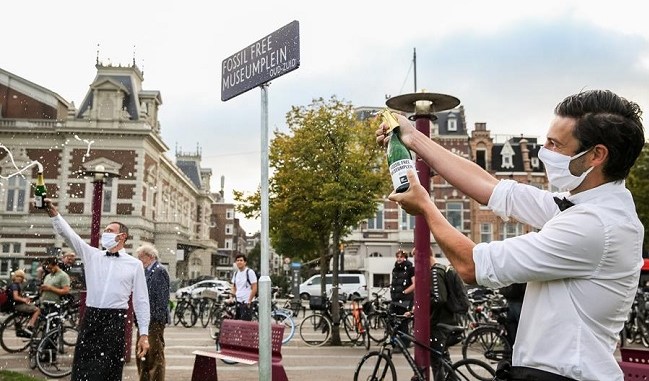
[[98, 190], [422, 263]]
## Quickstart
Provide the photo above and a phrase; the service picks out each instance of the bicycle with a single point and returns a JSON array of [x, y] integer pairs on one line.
[[490, 341], [185, 313], [51, 345], [316, 329], [379, 366], [375, 319]]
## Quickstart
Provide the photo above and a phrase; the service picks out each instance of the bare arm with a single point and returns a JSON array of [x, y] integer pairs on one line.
[[457, 247], [463, 174], [253, 292]]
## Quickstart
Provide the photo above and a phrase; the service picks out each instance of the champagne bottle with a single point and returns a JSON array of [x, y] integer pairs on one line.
[[40, 192], [399, 157]]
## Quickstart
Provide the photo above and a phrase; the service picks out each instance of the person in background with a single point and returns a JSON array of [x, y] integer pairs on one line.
[[514, 294], [402, 289], [67, 261], [56, 282], [152, 367], [244, 288], [112, 275], [439, 313], [22, 304], [582, 267]]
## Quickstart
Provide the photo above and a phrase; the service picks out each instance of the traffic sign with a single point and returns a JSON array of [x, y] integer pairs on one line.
[[274, 55]]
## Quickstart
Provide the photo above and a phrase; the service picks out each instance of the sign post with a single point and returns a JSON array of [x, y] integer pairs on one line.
[[255, 65]]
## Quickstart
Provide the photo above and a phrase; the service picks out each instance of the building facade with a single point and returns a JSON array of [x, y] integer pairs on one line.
[[115, 131]]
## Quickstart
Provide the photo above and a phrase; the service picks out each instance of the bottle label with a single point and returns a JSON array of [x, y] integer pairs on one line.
[[38, 200], [398, 171]]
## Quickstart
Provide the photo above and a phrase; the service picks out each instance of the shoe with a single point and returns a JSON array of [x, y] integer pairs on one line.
[[24, 333]]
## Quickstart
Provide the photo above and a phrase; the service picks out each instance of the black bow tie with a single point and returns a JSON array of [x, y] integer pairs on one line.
[[563, 203], [109, 254]]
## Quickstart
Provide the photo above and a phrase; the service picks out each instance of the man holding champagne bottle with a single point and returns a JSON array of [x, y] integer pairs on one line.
[[112, 275], [582, 267]]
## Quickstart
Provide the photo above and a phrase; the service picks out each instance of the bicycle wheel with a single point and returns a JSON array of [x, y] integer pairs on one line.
[[377, 327], [280, 317], [375, 366], [471, 370], [10, 330], [205, 310], [70, 336], [53, 357], [315, 330], [352, 329], [178, 312], [189, 317], [488, 344]]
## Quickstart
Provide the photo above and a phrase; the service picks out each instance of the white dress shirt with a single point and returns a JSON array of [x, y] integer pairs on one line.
[[582, 271], [109, 280]]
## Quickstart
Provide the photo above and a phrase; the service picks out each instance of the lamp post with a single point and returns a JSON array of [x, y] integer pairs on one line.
[[423, 107], [99, 176]]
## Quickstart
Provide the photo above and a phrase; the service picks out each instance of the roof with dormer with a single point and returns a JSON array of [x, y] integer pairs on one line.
[[513, 148]]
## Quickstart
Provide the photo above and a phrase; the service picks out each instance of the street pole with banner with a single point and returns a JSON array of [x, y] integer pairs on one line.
[[270, 57]]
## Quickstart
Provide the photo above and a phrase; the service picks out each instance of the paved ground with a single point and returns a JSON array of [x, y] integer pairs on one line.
[[300, 361]]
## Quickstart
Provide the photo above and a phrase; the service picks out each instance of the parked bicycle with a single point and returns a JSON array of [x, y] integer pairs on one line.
[[185, 313], [316, 328], [636, 327], [379, 365], [490, 342], [374, 309]]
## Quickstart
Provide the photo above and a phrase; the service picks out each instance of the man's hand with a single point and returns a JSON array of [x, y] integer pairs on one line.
[[406, 130], [416, 199], [50, 208], [142, 346]]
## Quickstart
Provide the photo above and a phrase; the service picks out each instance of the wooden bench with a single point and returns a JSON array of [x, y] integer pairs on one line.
[[239, 341], [634, 364]]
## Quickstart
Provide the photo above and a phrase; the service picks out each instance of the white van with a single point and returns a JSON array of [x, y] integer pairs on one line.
[[350, 284]]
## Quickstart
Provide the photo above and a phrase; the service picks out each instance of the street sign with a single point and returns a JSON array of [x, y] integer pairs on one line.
[[296, 265], [274, 55]]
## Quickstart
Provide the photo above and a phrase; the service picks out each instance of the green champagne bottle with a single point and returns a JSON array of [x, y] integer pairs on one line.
[[399, 157], [40, 192]]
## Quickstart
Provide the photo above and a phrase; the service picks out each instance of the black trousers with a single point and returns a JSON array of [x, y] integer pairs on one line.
[[101, 345], [506, 372]]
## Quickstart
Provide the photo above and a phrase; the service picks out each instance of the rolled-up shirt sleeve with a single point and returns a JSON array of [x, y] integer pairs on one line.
[[141, 302]]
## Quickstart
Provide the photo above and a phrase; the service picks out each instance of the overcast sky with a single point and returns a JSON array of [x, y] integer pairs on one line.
[[509, 62]]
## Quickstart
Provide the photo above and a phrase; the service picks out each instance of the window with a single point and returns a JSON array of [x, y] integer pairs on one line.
[[381, 280], [229, 214], [454, 214], [510, 229], [451, 124], [376, 223], [228, 243], [485, 232], [229, 228], [109, 190], [407, 221], [12, 248], [16, 193]]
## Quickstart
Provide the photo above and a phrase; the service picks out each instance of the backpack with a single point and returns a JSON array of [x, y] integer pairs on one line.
[[457, 300]]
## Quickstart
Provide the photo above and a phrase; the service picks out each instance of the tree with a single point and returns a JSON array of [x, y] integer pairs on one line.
[[328, 175], [638, 184]]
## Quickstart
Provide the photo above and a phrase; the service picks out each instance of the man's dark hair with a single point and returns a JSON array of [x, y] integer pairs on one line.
[[241, 256], [608, 119], [122, 229]]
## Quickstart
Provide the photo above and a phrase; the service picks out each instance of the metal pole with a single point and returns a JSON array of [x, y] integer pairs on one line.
[[265, 346], [98, 190], [422, 263], [414, 63]]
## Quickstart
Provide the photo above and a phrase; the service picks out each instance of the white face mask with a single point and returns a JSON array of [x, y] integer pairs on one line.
[[108, 240], [557, 168]]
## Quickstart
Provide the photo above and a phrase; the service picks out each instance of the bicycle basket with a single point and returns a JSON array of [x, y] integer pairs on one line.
[[317, 303]]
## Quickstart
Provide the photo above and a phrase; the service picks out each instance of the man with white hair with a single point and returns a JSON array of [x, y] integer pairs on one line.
[[152, 367]]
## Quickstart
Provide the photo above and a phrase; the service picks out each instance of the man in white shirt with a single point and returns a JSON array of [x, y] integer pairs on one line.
[[112, 275], [244, 287], [582, 267]]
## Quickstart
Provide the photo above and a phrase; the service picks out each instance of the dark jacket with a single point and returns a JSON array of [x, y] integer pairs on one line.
[[439, 313], [157, 282], [402, 274]]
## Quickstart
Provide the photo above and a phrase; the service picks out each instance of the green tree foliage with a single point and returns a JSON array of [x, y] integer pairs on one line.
[[638, 184], [328, 175]]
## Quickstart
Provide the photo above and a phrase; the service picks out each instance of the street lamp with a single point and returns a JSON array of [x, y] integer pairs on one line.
[[99, 176]]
